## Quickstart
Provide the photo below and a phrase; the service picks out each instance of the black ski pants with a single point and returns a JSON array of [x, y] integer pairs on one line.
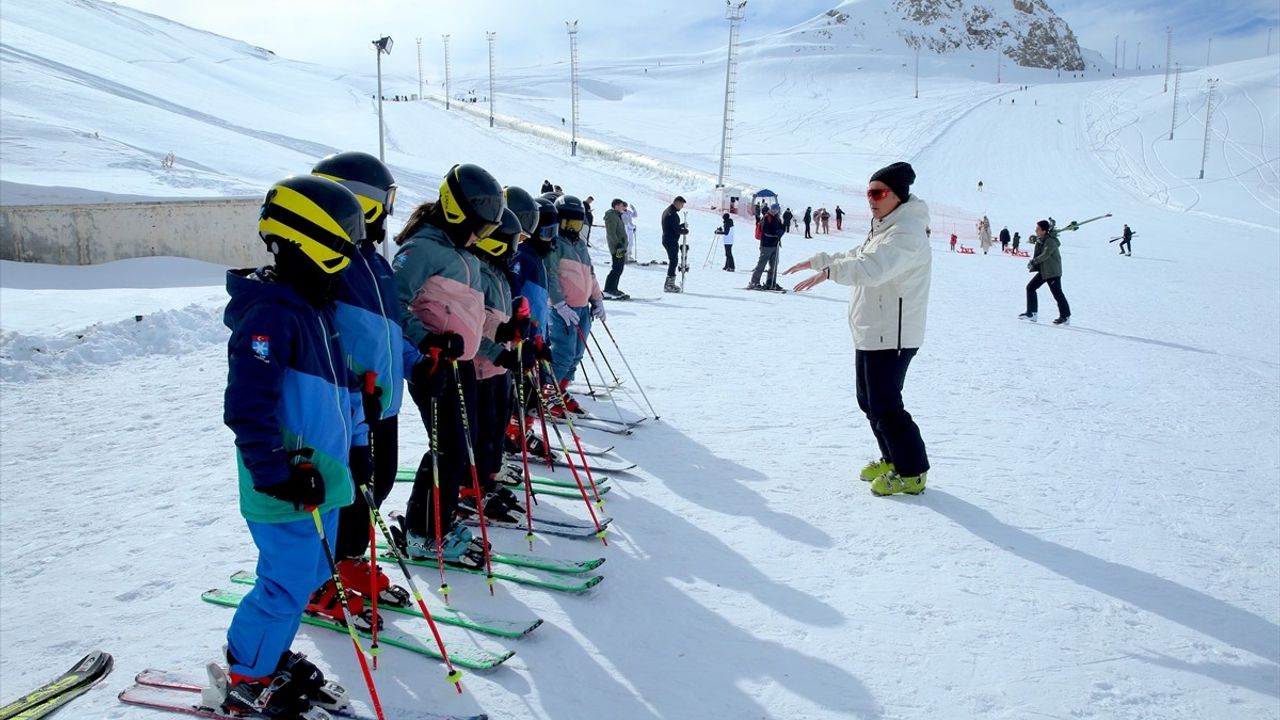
[[880, 377], [673, 255], [1125, 247], [494, 411], [728, 258], [615, 274], [1055, 287], [768, 256], [353, 520], [806, 229], [446, 428]]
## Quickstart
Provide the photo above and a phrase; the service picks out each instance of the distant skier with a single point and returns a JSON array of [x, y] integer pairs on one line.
[[788, 220], [673, 232], [615, 233], [839, 218], [889, 275], [1004, 240], [1125, 248], [825, 218], [770, 240], [1047, 266], [808, 219], [629, 223], [725, 232], [1017, 238]]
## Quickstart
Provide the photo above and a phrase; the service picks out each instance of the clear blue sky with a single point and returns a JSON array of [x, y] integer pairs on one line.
[[338, 34]]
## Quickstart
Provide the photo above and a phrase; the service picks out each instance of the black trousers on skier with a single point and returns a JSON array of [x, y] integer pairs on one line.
[[768, 256], [615, 274], [353, 520], [806, 229], [493, 401], [1126, 248], [673, 255], [728, 258], [1055, 287], [451, 441], [880, 376]]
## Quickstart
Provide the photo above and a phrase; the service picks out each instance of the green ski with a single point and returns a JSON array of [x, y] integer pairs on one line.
[[443, 615], [473, 658], [567, 584], [538, 562]]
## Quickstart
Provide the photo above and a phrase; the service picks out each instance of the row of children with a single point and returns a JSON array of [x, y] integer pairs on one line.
[[322, 342]]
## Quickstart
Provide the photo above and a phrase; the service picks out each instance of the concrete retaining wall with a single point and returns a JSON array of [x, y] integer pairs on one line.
[[223, 230]]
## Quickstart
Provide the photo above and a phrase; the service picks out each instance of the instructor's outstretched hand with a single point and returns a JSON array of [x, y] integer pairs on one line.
[[803, 265], [811, 281]]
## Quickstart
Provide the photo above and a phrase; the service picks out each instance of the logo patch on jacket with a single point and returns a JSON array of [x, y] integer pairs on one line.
[[261, 347], [399, 260]]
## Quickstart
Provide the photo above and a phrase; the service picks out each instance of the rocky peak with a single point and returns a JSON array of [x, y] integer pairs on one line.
[[1028, 32]]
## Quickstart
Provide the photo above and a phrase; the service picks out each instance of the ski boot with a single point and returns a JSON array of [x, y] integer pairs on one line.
[[1062, 321], [875, 469], [323, 693], [891, 483], [1027, 316], [357, 576], [279, 696], [495, 508], [670, 286], [324, 604]]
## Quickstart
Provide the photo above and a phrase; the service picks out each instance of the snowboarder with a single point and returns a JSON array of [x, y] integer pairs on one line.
[[293, 442], [889, 275], [770, 242], [673, 233], [615, 233], [1046, 263], [368, 320], [575, 296], [808, 218], [441, 300]]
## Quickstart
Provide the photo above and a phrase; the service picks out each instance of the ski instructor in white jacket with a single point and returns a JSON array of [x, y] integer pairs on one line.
[[889, 279]]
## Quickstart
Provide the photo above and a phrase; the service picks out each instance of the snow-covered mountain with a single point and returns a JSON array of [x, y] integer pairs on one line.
[[1028, 32]]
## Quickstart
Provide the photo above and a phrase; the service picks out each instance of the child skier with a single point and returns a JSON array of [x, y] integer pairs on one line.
[[441, 303], [293, 441], [576, 298]]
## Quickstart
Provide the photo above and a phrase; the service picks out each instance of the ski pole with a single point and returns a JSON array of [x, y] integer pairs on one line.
[[583, 337], [542, 416], [629, 370], [617, 382], [573, 430], [600, 531], [524, 443], [475, 476], [1075, 224], [433, 437], [369, 400], [591, 390], [346, 613]]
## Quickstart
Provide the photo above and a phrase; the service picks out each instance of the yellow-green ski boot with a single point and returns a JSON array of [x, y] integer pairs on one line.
[[875, 469], [891, 483]]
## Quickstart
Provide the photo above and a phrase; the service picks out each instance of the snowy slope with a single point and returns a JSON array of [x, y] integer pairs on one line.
[[1100, 535]]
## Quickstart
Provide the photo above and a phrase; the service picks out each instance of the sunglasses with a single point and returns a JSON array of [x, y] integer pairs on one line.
[[878, 193]]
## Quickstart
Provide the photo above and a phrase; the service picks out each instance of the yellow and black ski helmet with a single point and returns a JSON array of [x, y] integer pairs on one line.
[[319, 216], [471, 199], [367, 177]]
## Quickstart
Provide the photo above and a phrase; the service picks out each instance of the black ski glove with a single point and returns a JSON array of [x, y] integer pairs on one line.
[[508, 360], [513, 328], [304, 487], [446, 344], [361, 461], [429, 375]]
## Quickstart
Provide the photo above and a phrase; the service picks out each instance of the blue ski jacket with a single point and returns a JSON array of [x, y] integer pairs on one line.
[[529, 280], [368, 318], [287, 389]]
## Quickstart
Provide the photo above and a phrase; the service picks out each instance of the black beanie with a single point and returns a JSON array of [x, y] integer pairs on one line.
[[898, 177]]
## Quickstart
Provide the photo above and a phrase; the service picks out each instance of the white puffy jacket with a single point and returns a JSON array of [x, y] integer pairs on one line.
[[889, 275]]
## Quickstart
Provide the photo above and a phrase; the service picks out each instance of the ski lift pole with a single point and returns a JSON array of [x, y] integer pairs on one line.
[[622, 355]]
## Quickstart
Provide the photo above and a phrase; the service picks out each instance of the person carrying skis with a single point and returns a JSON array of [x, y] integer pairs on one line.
[[615, 233], [575, 297], [889, 277], [673, 232], [839, 218], [441, 299], [770, 240], [725, 232], [1004, 240], [504, 321], [368, 320], [1046, 263], [1126, 236], [808, 220], [293, 441]]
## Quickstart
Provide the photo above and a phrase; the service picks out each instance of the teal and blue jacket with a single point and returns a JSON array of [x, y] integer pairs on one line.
[[528, 278], [368, 318], [287, 389]]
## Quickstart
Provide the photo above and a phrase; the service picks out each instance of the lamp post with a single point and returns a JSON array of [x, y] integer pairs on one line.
[[447, 90], [381, 46]]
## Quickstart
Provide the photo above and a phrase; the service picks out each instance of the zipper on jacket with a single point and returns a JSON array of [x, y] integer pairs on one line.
[[899, 325], [337, 386], [386, 323]]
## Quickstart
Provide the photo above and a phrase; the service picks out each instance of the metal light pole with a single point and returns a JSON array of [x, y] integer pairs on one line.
[[1208, 122], [1124, 55], [421, 91], [734, 14], [1115, 54], [917, 69], [1208, 53], [999, 63], [1137, 57], [490, 35], [573, 80], [1269, 40], [1168, 55], [381, 46], [447, 92], [1177, 81]]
